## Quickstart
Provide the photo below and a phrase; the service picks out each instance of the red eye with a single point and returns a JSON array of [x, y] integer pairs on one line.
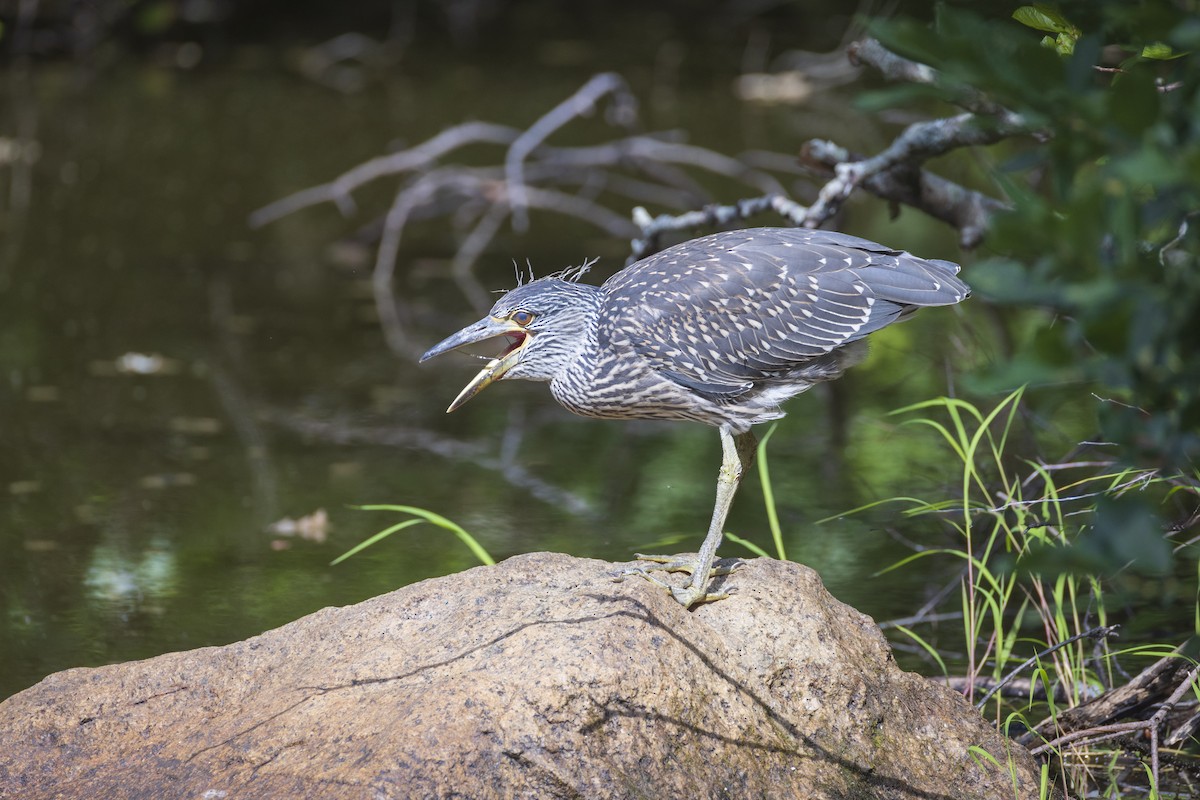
[[522, 318]]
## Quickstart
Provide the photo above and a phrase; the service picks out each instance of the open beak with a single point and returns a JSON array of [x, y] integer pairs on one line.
[[487, 328]]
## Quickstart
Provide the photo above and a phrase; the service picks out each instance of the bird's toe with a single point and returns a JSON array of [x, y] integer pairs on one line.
[[668, 563]]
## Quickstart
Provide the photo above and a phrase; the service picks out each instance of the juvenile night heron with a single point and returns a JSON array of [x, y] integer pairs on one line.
[[721, 330]]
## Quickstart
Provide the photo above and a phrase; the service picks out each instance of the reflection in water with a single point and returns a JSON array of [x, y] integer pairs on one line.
[[122, 582]]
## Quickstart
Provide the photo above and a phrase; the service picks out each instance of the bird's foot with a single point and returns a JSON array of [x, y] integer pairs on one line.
[[689, 595], [679, 564]]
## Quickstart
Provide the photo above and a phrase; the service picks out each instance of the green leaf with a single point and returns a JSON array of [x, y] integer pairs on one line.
[[1044, 18], [1064, 43], [1160, 51]]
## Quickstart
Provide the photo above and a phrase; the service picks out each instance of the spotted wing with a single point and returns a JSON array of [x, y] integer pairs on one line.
[[723, 312]]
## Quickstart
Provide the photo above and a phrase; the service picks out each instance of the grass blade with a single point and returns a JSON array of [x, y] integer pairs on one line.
[[764, 475], [749, 545], [383, 534], [437, 519]]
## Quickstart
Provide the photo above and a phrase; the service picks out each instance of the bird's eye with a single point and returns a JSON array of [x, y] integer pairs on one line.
[[522, 318]]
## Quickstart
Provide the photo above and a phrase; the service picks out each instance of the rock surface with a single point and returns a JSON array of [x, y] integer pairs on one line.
[[539, 678]]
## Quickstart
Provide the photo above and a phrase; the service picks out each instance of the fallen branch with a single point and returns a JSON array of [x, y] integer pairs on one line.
[[563, 180], [1015, 689], [1093, 722]]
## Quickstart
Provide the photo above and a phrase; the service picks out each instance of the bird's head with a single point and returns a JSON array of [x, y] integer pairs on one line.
[[542, 325]]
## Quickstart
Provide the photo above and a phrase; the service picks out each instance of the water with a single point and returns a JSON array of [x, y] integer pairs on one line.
[[173, 383]]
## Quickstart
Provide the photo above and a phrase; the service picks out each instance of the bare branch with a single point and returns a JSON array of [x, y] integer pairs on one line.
[[338, 190], [402, 208], [469, 251], [652, 228], [918, 143], [965, 209], [574, 205], [579, 104], [986, 122], [676, 153]]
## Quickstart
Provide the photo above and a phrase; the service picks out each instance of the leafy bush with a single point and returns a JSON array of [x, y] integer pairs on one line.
[[1095, 264]]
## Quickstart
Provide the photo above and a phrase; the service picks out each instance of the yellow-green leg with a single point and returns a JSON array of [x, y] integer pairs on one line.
[[737, 454]]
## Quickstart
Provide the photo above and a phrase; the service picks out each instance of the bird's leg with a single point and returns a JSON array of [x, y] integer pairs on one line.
[[737, 454]]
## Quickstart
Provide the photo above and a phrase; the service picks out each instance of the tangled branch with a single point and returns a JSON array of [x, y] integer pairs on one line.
[[895, 172], [644, 168], [1095, 721]]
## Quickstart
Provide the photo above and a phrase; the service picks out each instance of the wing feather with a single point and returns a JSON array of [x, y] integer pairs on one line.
[[724, 312]]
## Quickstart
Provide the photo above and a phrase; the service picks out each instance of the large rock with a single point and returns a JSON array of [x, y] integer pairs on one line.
[[539, 678]]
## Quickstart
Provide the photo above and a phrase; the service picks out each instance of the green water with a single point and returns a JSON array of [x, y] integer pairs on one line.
[[134, 509]]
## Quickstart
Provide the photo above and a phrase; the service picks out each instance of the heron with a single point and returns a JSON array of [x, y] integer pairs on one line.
[[721, 330]]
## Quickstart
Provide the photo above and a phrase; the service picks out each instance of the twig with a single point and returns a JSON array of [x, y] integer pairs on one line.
[[1023, 688], [1179, 236], [581, 103], [1101, 632], [1157, 720], [919, 618], [1100, 732]]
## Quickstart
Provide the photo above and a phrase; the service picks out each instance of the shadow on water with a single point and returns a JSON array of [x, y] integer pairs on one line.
[[177, 384]]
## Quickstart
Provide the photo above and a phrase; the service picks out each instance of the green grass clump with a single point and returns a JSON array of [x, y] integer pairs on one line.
[[1030, 607]]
